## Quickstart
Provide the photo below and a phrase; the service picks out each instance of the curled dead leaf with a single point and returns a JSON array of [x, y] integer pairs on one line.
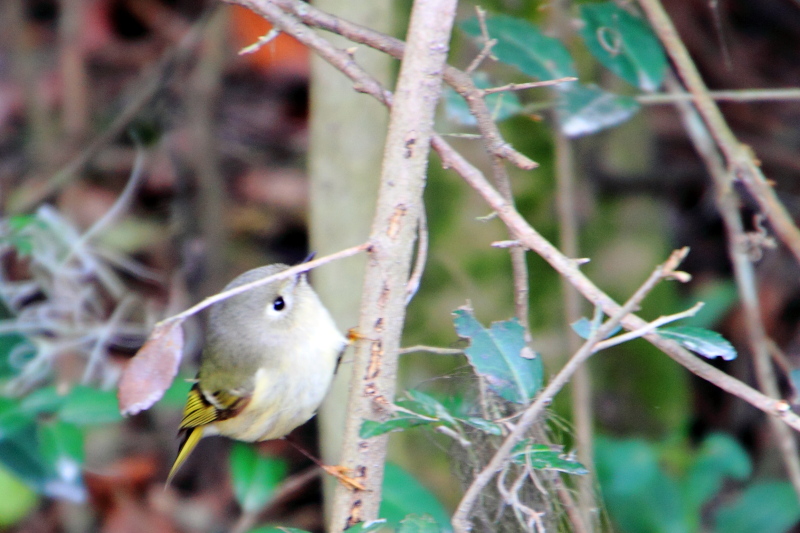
[[152, 369]]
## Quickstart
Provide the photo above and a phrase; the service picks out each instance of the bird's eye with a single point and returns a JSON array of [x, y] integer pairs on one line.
[[278, 304]]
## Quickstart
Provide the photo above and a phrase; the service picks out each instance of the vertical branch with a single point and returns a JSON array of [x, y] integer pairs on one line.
[[743, 270], [393, 231], [581, 390], [75, 115], [202, 102], [518, 264], [346, 138]]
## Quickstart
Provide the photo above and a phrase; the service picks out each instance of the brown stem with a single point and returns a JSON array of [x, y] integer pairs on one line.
[[461, 523], [744, 273], [738, 158]]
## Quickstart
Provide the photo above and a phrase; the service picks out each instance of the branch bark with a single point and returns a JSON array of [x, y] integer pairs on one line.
[[393, 231]]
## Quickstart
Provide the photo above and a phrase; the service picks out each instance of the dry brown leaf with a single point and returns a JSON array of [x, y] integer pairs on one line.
[[152, 369]]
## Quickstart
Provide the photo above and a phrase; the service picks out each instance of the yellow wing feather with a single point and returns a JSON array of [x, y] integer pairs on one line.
[[199, 412]]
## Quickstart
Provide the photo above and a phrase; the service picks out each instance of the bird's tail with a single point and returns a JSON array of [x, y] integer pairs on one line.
[[190, 440]]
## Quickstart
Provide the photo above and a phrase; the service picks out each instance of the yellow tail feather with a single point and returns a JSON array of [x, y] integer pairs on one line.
[[193, 436]]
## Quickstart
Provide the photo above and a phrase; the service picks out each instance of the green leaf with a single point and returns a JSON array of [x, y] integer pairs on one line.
[[524, 46], [59, 442], [254, 477], [585, 327], [427, 405], [639, 496], [497, 355], [369, 527], [502, 105], [40, 401], [542, 457], [19, 452], [11, 343], [12, 418], [625, 44], [61, 446], [765, 507], [18, 232], [18, 500], [484, 425], [401, 421], [85, 406], [404, 495], [705, 342], [586, 109], [719, 457], [418, 524]]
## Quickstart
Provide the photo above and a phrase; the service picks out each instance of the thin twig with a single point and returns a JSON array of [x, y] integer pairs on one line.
[[529, 237], [744, 274], [529, 85], [431, 349], [461, 515], [285, 274], [569, 268], [741, 95], [422, 256], [120, 205], [648, 328], [488, 42], [738, 158], [458, 80]]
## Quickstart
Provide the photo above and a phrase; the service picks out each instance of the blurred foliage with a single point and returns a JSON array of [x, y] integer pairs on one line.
[[648, 488]]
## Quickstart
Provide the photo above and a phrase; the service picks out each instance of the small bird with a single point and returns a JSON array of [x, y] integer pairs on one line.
[[269, 357]]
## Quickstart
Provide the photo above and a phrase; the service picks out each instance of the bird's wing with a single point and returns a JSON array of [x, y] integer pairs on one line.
[[204, 407]]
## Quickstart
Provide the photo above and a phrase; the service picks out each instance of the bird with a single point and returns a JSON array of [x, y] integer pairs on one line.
[[268, 359]]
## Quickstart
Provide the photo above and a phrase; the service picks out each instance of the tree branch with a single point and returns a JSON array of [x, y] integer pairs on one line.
[[738, 158], [461, 523]]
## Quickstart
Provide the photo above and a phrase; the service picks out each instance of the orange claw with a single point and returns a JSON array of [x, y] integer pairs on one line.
[[340, 473], [353, 335]]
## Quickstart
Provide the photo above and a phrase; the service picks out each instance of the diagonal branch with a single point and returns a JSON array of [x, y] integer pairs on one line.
[[739, 159], [458, 80], [461, 523]]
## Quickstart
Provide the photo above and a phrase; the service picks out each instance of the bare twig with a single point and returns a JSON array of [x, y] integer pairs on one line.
[[524, 86], [744, 273], [258, 45], [458, 80], [289, 272], [120, 205], [501, 457], [738, 158], [422, 256], [648, 328], [526, 235], [488, 42], [742, 95], [431, 349], [568, 268]]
